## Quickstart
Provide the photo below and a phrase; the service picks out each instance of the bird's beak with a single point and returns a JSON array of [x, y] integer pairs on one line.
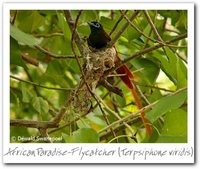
[[90, 24]]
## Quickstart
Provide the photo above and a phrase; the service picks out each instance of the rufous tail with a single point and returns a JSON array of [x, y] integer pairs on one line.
[[126, 77]]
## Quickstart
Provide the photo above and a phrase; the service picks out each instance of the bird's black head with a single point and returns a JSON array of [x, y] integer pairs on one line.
[[98, 37], [95, 26]]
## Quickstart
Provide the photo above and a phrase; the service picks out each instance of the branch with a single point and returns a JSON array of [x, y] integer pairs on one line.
[[71, 26], [159, 37], [147, 50], [52, 54], [119, 128], [53, 110], [48, 35], [144, 109], [38, 85], [109, 87], [30, 59], [123, 28], [153, 87], [142, 95], [14, 18], [74, 33], [152, 25], [74, 120], [64, 108], [76, 37], [117, 116], [33, 124], [149, 38], [45, 135], [150, 32], [80, 116], [116, 24], [144, 51], [137, 29]]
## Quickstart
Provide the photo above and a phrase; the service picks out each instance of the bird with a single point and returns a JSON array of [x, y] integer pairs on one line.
[[99, 39]]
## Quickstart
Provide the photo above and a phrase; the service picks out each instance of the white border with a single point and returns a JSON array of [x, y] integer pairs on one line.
[[98, 159]]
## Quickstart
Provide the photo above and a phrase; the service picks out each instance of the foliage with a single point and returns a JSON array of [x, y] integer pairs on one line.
[[41, 54]]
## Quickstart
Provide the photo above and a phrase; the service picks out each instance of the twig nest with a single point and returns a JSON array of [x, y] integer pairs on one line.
[[96, 62], [100, 60]]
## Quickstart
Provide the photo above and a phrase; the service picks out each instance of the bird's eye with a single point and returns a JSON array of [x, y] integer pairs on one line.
[[98, 25]]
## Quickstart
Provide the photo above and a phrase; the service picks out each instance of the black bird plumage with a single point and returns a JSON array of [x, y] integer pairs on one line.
[[98, 37]]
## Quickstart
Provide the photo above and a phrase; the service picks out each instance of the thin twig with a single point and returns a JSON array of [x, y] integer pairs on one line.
[[110, 87], [150, 32], [48, 35], [52, 54], [137, 29], [14, 18], [107, 120], [144, 109], [119, 128], [52, 110], [123, 28], [144, 51], [147, 50], [77, 38], [82, 115], [159, 37], [116, 115], [142, 95], [152, 25], [117, 23], [172, 30], [149, 38], [153, 87], [39, 85], [83, 74]]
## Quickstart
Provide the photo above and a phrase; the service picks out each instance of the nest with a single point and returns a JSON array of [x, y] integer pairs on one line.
[[96, 63]]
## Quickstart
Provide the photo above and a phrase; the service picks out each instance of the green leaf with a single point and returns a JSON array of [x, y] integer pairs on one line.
[[166, 104], [88, 16], [149, 72], [47, 12], [55, 74], [85, 135], [155, 95], [181, 74], [175, 127], [13, 97], [29, 20], [40, 105], [172, 65], [172, 139], [182, 22], [172, 14], [83, 123], [15, 57], [67, 138], [63, 25], [96, 121], [22, 37], [121, 101], [27, 94], [168, 62]]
